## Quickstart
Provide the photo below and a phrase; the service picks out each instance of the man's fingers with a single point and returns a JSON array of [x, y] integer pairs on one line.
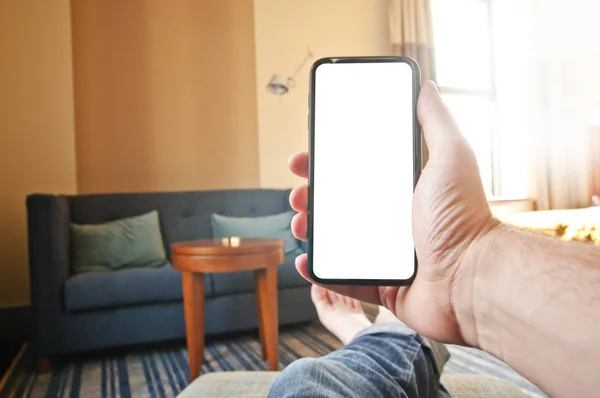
[[439, 127], [368, 294], [298, 164], [299, 226], [299, 198]]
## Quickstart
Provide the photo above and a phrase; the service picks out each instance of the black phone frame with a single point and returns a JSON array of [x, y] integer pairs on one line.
[[417, 166]]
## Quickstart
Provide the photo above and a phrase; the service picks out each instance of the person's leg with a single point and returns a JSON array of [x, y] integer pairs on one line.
[[387, 359]]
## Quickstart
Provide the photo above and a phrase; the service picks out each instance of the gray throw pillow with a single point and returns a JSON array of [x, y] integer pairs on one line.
[[273, 226], [126, 243]]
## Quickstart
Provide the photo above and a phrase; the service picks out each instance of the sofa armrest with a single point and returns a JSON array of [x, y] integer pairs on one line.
[[479, 386], [48, 223], [258, 384]]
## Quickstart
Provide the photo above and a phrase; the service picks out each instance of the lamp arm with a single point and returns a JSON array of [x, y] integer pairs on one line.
[[299, 68]]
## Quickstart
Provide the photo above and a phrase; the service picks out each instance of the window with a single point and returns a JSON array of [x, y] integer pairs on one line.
[[465, 74]]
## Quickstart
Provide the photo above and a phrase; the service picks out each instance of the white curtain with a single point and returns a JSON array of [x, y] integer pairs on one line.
[[411, 33], [547, 58]]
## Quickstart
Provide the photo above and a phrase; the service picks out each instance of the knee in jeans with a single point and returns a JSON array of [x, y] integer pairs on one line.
[[307, 369], [303, 366], [297, 379]]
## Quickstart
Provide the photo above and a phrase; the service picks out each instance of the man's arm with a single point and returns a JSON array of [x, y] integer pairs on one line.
[[534, 302]]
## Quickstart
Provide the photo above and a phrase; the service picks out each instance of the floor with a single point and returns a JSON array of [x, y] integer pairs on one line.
[[15, 322], [8, 352]]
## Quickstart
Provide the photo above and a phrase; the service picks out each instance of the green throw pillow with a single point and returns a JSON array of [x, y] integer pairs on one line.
[[126, 243], [275, 226]]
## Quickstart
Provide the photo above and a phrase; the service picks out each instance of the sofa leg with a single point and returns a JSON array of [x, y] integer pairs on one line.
[[43, 365]]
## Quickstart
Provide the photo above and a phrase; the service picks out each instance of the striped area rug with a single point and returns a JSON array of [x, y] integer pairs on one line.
[[161, 371]]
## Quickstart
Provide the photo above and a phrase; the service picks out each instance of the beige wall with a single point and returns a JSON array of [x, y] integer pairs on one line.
[[165, 95], [283, 31], [36, 125]]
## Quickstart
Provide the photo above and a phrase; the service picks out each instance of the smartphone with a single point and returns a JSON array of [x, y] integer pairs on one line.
[[364, 162]]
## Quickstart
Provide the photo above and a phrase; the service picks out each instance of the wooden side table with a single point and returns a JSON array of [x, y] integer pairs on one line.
[[195, 258]]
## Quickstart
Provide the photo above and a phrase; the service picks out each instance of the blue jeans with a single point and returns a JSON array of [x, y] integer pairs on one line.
[[384, 360]]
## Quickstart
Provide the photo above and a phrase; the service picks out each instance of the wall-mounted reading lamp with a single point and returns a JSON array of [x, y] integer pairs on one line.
[[279, 84]]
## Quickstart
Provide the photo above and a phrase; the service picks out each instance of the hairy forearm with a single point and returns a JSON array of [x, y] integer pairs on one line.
[[534, 302]]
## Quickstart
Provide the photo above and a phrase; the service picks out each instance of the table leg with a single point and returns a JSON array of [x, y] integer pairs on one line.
[[193, 301], [266, 291], [261, 325]]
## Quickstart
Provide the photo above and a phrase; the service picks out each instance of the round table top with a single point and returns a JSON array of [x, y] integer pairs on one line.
[[226, 246]]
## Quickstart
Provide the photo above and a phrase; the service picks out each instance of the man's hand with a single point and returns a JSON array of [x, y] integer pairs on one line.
[[450, 215]]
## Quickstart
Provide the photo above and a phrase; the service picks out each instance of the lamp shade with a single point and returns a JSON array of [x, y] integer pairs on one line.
[[278, 85]]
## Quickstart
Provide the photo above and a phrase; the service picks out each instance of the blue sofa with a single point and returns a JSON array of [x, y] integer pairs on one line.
[[91, 311]]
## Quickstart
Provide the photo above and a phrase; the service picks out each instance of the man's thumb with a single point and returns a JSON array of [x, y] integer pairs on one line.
[[439, 127]]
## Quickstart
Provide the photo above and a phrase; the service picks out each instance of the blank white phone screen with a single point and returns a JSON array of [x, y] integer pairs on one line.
[[363, 171]]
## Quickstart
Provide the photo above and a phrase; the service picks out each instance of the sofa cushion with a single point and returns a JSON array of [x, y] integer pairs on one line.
[[126, 243], [110, 289], [272, 226], [243, 282]]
